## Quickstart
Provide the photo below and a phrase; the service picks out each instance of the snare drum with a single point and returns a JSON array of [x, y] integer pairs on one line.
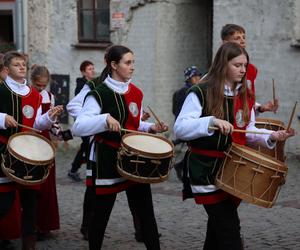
[[28, 158], [145, 158], [275, 125], [251, 176]]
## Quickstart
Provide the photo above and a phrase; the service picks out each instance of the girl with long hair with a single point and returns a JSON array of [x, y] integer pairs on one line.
[[221, 100]]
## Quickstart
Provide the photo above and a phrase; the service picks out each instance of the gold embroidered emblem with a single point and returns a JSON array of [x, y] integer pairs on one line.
[[133, 108], [239, 119], [28, 111]]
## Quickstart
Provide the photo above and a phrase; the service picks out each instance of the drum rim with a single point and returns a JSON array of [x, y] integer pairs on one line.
[[26, 160], [148, 154], [267, 121], [141, 179], [22, 181], [246, 197], [282, 167]]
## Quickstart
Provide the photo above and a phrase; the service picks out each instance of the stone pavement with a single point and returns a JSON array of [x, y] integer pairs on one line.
[[182, 224]]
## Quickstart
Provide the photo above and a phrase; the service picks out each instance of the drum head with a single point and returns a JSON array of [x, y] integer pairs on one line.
[[31, 147], [259, 158], [148, 144]]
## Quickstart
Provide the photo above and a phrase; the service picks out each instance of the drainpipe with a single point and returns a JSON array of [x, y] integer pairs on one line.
[[21, 25]]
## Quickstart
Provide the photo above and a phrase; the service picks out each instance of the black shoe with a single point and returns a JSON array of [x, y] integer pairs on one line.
[[74, 176], [84, 232], [7, 245]]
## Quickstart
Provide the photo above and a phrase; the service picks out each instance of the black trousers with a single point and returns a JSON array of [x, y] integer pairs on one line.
[[223, 227], [81, 154], [141, 198], [6, 201], [28, 199]]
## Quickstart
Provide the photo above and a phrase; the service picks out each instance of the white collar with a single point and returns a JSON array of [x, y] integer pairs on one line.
[[19, 88], [229, 92], [117, 86]]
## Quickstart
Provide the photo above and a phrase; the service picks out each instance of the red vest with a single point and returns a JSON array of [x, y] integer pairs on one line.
[[239, 122]]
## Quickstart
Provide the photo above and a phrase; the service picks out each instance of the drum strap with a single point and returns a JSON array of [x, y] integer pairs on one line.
[[113, 144], [205, 152], [3, 139]]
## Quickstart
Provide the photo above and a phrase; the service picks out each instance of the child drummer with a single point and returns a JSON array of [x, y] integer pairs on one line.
[[115, 103], [19, 104], [222, 101]]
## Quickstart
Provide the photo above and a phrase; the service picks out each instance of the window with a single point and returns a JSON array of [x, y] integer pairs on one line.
[[93, 21]]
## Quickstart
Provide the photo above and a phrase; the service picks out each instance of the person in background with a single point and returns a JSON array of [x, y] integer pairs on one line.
[[87, 70], [3, 73], [47, 205], [237, 34], [221, 100], [192, 76]]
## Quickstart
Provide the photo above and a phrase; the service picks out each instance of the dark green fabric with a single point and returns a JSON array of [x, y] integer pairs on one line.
[[114, 104], [10, 104], [202, 169]]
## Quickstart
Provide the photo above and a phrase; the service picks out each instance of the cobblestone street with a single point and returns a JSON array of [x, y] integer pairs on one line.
[[182, 224]]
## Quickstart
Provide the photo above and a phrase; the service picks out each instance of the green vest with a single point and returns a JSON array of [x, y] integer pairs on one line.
[[202, 169], [114, 104], [10, 103]]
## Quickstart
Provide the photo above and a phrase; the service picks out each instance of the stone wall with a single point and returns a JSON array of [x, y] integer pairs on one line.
[[270, 32], [167, 36]]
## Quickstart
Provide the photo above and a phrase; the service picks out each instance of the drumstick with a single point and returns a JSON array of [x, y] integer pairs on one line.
[[273, 83], [291, 117], [155, 116], [245, 131], [134, 131], [34, 129]]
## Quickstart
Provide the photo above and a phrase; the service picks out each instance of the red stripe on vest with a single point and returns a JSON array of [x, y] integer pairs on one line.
[[211, 199], [3, 139], [89, 182], [209, 153], [113, 144], [8, 187], [133, 99], [112, 190], [33, 100]]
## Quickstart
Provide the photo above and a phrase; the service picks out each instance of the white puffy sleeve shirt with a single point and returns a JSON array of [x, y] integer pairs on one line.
[[189, 125]]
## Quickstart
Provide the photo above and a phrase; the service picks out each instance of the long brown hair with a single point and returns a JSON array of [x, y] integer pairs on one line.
[[216, 78]]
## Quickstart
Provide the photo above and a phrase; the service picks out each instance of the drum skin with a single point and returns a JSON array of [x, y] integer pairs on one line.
[[278, 151], [136, 164], [251, 176], [22, 169]]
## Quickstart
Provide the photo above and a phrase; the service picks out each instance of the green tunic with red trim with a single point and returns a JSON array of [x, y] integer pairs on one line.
[[24, 110], [125, 108], [205, 154]]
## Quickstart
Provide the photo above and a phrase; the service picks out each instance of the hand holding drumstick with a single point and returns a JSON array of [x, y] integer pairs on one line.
[[55, 112], [158, 127]]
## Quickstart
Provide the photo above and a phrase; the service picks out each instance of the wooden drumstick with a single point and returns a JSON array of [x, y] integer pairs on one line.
[[134, 131], [273, 84], [155, 116], [33, 129], [274, 96], [245, 131], [291, 117]]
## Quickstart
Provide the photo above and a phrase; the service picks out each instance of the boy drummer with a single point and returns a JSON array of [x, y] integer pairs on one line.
[[237, 34], [19, 104]]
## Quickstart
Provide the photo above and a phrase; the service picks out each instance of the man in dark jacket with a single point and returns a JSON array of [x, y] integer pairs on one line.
[[88, 72]]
